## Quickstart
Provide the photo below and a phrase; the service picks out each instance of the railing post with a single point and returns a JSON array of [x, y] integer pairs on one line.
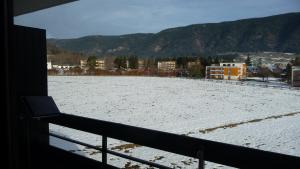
[[201, 159], [104, 149]]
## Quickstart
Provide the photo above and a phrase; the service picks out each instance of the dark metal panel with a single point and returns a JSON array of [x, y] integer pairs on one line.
[[26, 6], [30, 61], [27, 76], [40, 106]]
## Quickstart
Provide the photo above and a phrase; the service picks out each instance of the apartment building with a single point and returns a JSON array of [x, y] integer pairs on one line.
[[227, 71], [100, 64], [141, 64], [166, 66]]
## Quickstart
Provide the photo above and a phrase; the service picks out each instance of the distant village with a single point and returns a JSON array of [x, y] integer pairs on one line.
[[265, 65]]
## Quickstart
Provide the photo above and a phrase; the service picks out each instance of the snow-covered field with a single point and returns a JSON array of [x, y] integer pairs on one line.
[[263, 118]]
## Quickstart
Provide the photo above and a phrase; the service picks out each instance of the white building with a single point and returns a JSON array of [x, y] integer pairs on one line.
[[66, 67], [141, 64], [166, 66], [100, 64], [127, 64], [49, 64], [83, 64]]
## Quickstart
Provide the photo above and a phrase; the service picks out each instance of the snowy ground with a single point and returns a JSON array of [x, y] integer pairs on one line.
[[252, 116]]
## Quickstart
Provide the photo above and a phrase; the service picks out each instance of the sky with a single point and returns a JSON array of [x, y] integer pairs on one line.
[[117, 17]]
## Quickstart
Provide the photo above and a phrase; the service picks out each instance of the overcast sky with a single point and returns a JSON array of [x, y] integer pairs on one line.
[[115, 17]]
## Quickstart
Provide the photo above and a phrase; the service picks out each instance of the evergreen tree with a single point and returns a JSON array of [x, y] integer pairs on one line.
[[120, 62], [197, 71], [133, 62], [209, 60], [248, 61], [181, 62], [288, 70], [217, 60], [91, 62]]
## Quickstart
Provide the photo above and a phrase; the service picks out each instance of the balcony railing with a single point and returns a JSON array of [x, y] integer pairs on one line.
[[204, 150]]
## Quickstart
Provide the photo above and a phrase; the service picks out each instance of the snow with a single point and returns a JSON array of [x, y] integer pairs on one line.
[[182, 106]]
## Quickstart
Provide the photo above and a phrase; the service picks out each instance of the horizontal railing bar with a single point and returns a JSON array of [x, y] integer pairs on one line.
[[222, 153], [59, 155], [111, 152], [138, 160], [75, 141]]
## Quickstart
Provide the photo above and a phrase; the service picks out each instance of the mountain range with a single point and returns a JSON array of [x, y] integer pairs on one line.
[[279, 33]]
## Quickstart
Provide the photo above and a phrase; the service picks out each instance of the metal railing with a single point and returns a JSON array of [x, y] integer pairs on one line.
[[221, 153], [246, 83]]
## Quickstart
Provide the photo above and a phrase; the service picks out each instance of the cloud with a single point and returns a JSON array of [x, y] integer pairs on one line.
[[115, 17]]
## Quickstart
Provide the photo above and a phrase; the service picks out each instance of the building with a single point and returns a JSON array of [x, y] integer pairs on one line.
[[281, 65], [296, 76], [56, 66], [166, 66], [49, 64], [227, 71], [214, 72], [141, 64], [127, 64], [100, 64], [83, 64], [65, 67]]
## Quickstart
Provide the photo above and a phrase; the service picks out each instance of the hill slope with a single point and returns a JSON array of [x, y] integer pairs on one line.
[[280, 33]]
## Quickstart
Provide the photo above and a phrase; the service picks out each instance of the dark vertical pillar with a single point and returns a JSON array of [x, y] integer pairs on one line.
[[25, 73], [6, 17], [104, 150], [28, 77]]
